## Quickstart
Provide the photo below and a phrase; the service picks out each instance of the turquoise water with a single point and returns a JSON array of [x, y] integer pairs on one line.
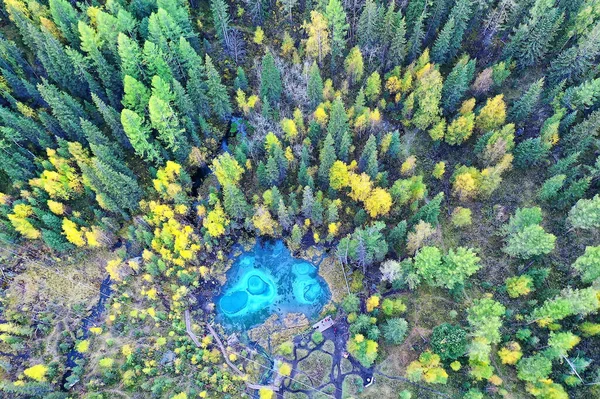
[[267, 280]]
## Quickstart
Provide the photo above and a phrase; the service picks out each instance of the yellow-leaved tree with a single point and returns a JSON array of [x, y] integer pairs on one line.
[[216, 221], [360, 186], [339, 176], [227, 169], [378, 203], [37, 372]]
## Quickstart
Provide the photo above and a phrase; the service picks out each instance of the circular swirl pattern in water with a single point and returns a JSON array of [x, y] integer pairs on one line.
[[256, 285]]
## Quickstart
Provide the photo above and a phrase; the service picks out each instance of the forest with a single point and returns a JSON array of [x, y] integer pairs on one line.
[[421, 178]]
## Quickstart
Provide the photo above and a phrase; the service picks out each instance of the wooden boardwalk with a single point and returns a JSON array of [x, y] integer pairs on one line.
[[324, 324], [188, 329]]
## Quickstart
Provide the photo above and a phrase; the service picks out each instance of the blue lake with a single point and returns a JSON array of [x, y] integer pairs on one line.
[[268, 280]]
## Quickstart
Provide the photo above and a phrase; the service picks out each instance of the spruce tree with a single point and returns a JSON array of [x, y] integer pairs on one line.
[[368, 162], [65, 17], [338, 28], [234, 202], [284, 216], [457, 83], [417, 34], [220, 15], [217, 91], [270, 80], [314, 88], [326, 159], [525, 105], [398, 47], [369, 26], [460, 15], [441, 47], [131, 57], [140, 137], [308, 202], [338, 122], [121, 189], [241, 81]]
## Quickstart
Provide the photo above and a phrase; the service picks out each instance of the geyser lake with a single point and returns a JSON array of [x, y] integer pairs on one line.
[[267, 280]]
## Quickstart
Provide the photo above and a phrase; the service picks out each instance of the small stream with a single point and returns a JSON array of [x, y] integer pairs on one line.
[[94, 318]]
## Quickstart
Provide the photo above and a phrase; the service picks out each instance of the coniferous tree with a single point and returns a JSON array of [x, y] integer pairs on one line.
[[457, 83], [121, 189], [65, 109], [460, 15], [241, 81], [140, 136], [441, 48], [338, 122], [234, 202], [308, 201], [216, 91], [326, 159], [368, 162], [270, 80], [220, 15], [398, 47], [573, 63], [369, 27], [314, 89], [112, 119], [531, 41], [525, 105], [338, 28], [417, 34], [131, 57], [66, 18]]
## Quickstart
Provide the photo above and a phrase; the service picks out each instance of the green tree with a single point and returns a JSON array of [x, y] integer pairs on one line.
[[140, 136], [455, 29], [217, 92], [241, 81], [164, 119], [484, 317], [531, 41], [585, 214], [373, 87], [398, 47], [588, 264], [136, 95], [523, 107], [234, 202], [427, 96], [354, 65], [457, 83], [338, 122], [368, 162], [441, 47], [534, 368], [314, 88], [220, 15], [394, 330], [449, 341], [270, 80], [338, 28], [326, 159], [529, 242], [65, 17]]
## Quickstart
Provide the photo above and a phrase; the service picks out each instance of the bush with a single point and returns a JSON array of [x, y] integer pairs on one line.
[[461, 217], [351, 303], [286, 348], [317, 337], [449, 341], [394, 330]]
